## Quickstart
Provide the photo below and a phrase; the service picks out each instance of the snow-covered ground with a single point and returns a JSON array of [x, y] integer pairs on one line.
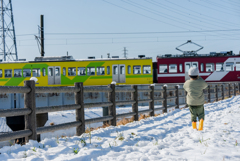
[[165, 137], [69, 116]]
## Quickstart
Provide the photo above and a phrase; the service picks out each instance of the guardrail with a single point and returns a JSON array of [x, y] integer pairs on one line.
[[30, 110]]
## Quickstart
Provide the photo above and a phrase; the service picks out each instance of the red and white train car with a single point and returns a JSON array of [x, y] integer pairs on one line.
[[213, 67]]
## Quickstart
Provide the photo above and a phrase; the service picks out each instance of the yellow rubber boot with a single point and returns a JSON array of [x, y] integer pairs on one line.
[[200, 125], [194, 125]]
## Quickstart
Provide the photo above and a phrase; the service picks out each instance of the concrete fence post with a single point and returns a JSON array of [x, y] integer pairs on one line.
[[216, 90], [165, 99], [234, 86], [134, 97], [79, 112], [209, 94], [29, 102], [186, 99], [238, 88], [177, 95], [223, 89], [112, 109], [229, 90], [151, 104]]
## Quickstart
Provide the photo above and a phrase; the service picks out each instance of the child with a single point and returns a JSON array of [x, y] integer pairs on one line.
[[195, 96]]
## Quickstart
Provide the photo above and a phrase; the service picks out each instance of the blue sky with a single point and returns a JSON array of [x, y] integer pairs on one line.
[[151, 27]]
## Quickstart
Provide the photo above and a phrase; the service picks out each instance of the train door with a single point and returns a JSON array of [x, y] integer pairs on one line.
[[187, 66], [118, 73], [54, 75]]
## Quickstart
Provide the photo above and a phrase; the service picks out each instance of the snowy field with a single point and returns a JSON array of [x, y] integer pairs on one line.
[[165, 137]]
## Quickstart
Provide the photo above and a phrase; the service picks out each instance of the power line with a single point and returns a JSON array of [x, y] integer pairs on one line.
[[140, 33], [187, 13], [171, 16], [113, 38], [130, 42], [27, 34], [215, 9], [219, 5], [161, 14], [142, 14], [156, 3], [206, 16], [148, 11], [231, 2]]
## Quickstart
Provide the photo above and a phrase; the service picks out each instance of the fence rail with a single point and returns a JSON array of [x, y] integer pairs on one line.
[[30, 110]]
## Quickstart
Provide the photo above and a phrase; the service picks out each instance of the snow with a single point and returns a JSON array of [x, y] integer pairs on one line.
[[165, 137]]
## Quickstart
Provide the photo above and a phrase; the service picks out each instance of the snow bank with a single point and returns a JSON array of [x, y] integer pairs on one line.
[[166, 137]]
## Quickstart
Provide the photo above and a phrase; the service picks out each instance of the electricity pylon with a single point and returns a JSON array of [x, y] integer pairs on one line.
[[8, 47]]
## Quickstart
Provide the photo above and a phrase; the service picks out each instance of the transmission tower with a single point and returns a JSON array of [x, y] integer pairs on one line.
[[8, 47]]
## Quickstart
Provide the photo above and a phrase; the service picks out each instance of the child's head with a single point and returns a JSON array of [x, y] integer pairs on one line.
[[193, 72]]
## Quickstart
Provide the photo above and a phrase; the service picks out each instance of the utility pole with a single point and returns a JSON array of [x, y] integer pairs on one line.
[[8, 48], [40, 37], [125, 52]]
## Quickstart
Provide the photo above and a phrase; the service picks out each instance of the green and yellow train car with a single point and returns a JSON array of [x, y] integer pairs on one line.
[[65, 71]]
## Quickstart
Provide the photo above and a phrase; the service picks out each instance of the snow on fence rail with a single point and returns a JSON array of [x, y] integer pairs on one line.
[[30, 110]]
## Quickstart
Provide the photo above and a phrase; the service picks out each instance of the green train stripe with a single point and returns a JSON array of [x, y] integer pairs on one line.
[[30, 66], [3, 80], [95, 64], [66, 81], [101, 77], [14, 81]]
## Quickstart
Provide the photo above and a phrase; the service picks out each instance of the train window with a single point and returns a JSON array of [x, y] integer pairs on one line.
[[237, 66], [72, 71], [209, 67], [146, 69], [100, 71], [57, 71], [180, 68], [172, 68], [91, 71], [229, 66], [115, 70], [43, 72], [129, 69], [81, 71], [64, 71], [202, 67], [17, 72], [108, 70], [50, 71], [122, 69], [0, 72], [163, 69], [187, 66], [219, 67], [137, 69], [36, 72], [8, 73], [26, 72], [194, 64]]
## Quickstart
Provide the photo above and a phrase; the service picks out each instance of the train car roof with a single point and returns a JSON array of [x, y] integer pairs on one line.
[[70, 58], [182, 56]]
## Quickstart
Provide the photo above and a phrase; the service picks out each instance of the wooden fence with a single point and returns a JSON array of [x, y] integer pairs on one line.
[[31, 130]]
